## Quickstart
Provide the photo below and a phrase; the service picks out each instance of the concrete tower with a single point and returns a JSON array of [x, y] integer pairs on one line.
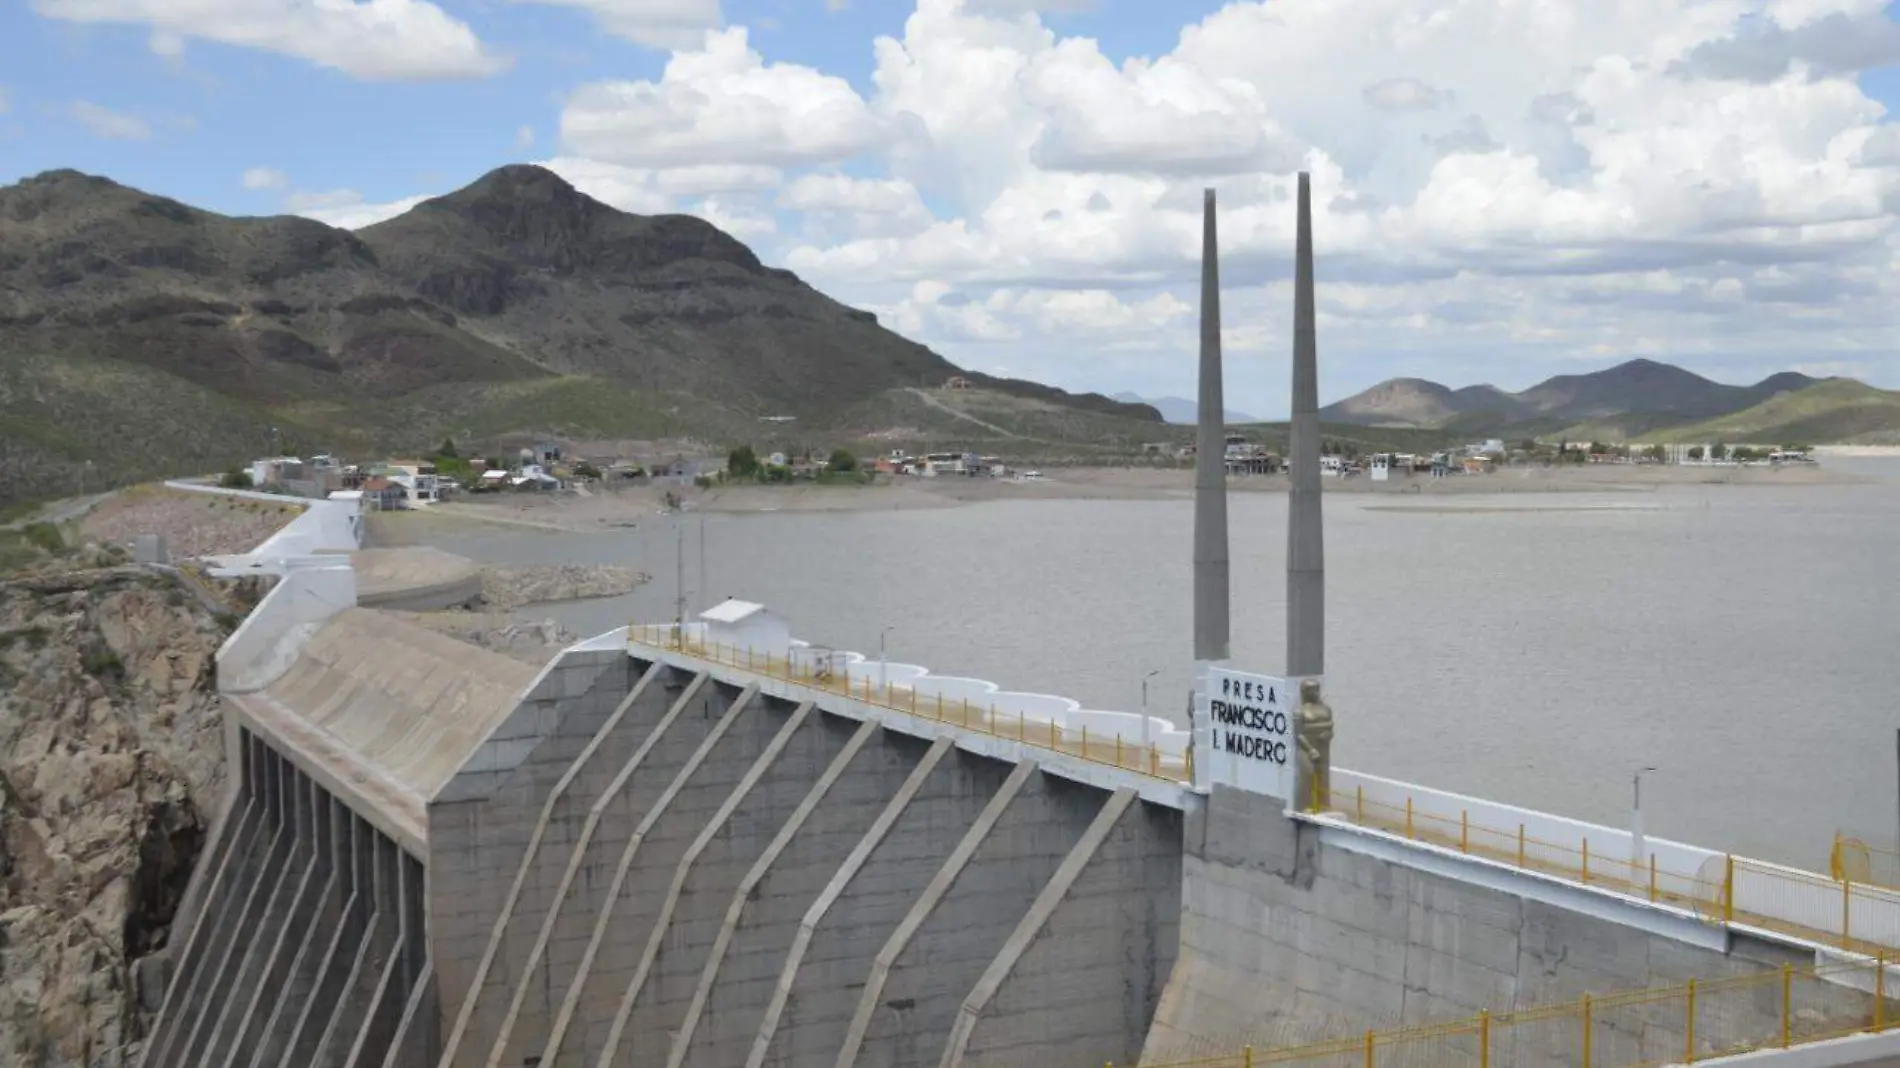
[[1305, 553], [1210, 468]]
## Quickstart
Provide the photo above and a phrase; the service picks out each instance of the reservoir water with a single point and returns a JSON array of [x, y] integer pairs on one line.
[[1535, 649]]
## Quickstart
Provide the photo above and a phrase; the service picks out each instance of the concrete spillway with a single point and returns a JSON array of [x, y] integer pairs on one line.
[[639, 858]]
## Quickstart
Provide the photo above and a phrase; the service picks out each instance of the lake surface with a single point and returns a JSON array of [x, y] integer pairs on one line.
[[1740, 640]]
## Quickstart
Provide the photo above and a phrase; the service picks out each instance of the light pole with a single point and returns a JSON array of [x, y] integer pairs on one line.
[[883, 663], [1144, 704], [1637, 849]]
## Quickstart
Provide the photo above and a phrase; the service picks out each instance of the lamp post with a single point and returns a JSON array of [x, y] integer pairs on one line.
[[883, 662], [1144, 704], [1637, 850]]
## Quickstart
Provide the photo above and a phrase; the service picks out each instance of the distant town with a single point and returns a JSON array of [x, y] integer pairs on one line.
[[548, 467]]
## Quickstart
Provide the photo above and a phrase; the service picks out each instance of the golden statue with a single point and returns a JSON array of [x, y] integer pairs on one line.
[[1316, 746]]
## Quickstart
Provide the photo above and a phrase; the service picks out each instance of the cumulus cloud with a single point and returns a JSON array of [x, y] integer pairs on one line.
[[264, 178], [1593, 145], [374, 40], [524, 138], [859, 207], [720, 104], [112, 125], [672, 24], [1764, 50], [346, 208], [1403, 94]]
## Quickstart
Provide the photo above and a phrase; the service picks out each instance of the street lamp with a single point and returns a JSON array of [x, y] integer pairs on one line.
[[1144, 704], [1637, 850], [883, 662]]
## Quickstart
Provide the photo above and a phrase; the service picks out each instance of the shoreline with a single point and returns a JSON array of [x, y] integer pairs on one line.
[[605, 510]]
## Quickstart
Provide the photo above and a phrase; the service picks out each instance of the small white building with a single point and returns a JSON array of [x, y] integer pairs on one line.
[[745, 625]]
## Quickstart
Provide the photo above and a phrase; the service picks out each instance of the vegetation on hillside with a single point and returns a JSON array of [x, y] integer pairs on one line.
[[1837, 411]]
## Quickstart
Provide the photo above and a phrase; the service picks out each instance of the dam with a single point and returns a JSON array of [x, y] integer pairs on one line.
[[708, 842]]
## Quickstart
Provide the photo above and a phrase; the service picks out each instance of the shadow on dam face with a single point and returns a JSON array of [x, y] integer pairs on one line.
[[641, 864]]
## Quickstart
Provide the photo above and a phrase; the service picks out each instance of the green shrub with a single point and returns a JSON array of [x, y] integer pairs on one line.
[[44, 536], [103, 663], [235, 479]]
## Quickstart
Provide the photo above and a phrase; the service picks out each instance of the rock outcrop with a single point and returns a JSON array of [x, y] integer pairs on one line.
[[111, 771]]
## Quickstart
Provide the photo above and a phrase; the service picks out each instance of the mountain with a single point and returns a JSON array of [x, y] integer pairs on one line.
[[1835, 411], [1179, 410], [1417, 402], [1632, 398], [517, 304]]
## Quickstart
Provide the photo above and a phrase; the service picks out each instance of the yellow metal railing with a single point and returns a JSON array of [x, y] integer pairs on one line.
[[1854, 859], [1679, 1024], [1113, 750], [1805, 905]]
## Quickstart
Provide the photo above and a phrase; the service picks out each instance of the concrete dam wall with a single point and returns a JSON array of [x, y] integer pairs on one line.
[[697, 874], [642, 859]]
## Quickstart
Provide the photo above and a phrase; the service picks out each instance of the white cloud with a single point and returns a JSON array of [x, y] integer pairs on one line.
[[374, 40], [346, 208], [264, 178], [1487, 175], [738, 219], [860, 207], [721, 104], [671, 24], [524, 138], [167, 45], [104, 122], [1403, 94]]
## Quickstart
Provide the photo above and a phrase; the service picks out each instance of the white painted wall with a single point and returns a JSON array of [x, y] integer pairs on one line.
[[255, 654], [764, 633]]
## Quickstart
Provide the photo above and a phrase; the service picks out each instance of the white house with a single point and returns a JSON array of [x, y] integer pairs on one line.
[[745, 625]]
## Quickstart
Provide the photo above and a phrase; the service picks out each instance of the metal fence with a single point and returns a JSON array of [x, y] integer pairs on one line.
[[1859, 916], [1856, 916], [1680, 1024], [826, 672]]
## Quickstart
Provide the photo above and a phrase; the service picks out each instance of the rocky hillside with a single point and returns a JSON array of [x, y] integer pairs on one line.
[[515, 304], [111, 766]]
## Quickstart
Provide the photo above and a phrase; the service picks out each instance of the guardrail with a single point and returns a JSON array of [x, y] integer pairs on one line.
[[1852, 858], [1680, 1024], [1723, 888], [1097, 747]]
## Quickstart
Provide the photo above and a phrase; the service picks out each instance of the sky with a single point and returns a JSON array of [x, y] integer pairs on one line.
[[1504, 189]]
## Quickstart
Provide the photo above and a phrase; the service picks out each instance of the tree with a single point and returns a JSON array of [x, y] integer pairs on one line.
[[235, 479], [1654, 452], [586, 470], [494, 464], [448, 449], [1695, 452], [742, 462], [1718, 451], [842, 460]]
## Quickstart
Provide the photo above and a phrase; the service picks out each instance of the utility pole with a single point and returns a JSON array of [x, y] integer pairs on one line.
[[703, 605], [1144, 705], [679, 579]]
